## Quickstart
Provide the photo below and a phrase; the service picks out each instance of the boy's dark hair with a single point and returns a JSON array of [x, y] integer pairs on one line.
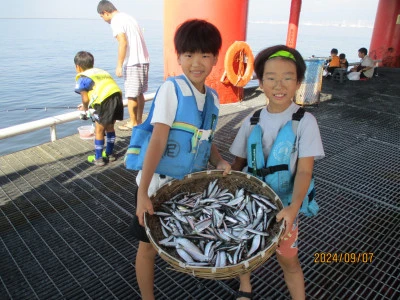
[[105, 6], [197, 36], [334, 51], [363, 50], [342, 55], [84, 59], [265, 54]]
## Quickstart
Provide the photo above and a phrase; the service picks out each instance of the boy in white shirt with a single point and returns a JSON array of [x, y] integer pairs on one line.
[[168, 144]]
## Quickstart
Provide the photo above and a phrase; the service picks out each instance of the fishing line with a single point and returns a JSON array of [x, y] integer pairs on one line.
[[39, 108]]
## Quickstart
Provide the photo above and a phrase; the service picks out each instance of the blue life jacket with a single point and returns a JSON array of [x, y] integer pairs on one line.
[[189, 141], [276, 172]]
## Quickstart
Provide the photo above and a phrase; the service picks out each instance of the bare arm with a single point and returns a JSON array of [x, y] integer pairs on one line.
[[122, 47], [302, 181], [153, 156], [85, 101], [239, 163], [365, 68], [217, 161]]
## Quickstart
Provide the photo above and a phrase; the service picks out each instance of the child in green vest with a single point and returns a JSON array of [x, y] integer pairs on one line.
[[100, 92]]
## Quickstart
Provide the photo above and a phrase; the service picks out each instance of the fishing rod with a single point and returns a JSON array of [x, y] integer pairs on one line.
[[39, 108], [83, 116]]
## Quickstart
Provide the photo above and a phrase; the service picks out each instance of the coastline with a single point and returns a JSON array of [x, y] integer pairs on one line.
[[40, 67]]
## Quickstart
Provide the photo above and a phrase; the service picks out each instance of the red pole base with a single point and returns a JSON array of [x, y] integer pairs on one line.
[[232, 25]]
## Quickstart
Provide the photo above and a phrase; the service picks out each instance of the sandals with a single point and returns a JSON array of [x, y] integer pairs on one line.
[[125, 127], [240, 294]]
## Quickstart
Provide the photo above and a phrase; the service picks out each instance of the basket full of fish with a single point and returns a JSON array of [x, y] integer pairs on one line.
[[215, 226]]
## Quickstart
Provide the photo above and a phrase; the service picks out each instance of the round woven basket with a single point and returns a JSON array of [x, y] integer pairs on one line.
[[197, 182]]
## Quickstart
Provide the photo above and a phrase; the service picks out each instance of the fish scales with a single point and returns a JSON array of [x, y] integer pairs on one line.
[[216, 227]]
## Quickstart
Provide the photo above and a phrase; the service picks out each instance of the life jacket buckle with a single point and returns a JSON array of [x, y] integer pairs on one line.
[[265, 171]]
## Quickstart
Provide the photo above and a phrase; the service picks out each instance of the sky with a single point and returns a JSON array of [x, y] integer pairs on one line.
[[315, 11]]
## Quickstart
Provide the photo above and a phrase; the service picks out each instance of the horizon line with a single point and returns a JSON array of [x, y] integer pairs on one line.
[[343, 23]]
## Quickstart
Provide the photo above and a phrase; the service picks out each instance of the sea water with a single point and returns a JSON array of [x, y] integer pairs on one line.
[[38, 71]]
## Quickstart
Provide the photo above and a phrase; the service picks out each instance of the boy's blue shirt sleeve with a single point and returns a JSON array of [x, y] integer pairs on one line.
[[83, 84]]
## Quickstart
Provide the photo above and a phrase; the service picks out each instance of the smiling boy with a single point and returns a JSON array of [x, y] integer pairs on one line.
[[181, 126]]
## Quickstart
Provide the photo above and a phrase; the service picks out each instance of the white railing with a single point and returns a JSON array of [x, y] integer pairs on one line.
[[51, 122]]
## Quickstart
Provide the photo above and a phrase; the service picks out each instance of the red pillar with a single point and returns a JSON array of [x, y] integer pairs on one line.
[[385, 41], [295, 9], [229, 16]]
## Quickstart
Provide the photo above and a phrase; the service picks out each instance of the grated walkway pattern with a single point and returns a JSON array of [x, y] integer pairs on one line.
[[63, 222]]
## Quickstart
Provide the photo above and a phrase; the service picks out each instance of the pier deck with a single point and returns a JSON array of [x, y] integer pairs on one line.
[[63, 222]]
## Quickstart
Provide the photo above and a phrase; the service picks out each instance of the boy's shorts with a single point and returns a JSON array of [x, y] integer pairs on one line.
[[288, 244], [109, 110], [136, 80], [137, 230]]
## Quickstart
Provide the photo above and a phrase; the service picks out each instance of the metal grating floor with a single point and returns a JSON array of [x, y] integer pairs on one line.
[[63, 223]]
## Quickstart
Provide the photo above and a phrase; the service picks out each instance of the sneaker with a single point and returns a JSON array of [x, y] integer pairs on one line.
[[109, 157], [97, 162]]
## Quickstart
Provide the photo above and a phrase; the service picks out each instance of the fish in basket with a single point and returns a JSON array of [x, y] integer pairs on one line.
[[214, 226]]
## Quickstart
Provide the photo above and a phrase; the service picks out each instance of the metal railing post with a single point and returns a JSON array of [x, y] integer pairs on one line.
[[53, 133]]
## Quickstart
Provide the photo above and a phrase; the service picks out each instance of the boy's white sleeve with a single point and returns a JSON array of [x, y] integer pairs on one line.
[[310, 143], [166, 104], [239, 145]]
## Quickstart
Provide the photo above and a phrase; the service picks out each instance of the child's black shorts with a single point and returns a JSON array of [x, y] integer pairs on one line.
[[110, 110], [137, 230]]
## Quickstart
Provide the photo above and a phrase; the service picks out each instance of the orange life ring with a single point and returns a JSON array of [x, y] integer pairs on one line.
[[238, 63]]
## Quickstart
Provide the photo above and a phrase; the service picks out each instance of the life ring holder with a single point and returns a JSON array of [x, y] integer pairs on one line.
[[238, 64]]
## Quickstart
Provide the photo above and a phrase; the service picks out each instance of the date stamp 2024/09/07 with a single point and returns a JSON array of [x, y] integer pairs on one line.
[[343, 257]]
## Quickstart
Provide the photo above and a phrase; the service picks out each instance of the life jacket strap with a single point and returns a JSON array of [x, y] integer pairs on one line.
[[256, 117], [311, 194], [268, 170], [298, 114]]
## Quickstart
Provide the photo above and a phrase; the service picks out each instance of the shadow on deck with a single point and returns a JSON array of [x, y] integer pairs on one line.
[[63, 222]]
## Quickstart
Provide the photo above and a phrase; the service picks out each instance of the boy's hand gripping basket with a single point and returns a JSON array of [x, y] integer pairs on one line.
[[239, 243]]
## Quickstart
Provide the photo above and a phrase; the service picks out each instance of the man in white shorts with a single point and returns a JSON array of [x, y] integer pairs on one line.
[[133, 59]]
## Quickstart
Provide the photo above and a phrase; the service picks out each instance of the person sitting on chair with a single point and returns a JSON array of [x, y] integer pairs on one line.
[[344, 64], [366, 66], [333, 62]]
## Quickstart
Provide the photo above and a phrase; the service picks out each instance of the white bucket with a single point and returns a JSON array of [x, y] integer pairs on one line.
[[354, 76], [86, 132]]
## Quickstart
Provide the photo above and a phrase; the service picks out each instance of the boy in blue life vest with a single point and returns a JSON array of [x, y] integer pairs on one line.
[[100, 92], [176, 138], [283, 157]]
